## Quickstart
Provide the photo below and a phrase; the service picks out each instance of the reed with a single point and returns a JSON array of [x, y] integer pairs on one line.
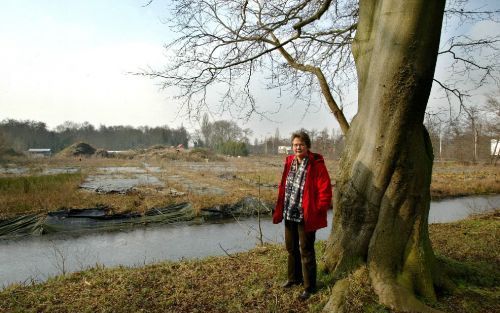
[[33, 194]]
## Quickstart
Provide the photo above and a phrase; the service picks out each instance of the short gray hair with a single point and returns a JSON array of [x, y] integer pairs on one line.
[[302, 135]]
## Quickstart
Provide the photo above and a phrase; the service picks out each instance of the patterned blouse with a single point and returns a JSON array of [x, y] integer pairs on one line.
[[294, 189]]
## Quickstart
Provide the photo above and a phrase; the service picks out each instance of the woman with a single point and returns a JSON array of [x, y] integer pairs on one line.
[[305, 195]]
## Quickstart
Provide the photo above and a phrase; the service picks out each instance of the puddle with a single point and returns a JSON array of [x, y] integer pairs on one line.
[[121, 169], [20, 171], [65, 170], [119, 184], [153, 169], [14, 170], [122, 179], [197, 188], [217, 167]]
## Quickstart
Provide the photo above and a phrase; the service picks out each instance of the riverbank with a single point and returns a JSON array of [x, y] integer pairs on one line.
[[250, 281]]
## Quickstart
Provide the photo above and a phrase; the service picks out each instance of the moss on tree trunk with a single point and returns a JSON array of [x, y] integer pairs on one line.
[[383, 188]]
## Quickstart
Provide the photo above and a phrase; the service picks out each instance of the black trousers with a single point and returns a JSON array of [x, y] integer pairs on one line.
[[301, 254]]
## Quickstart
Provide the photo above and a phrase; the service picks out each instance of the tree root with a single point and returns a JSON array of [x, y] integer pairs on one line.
[[357, 290], [337, 299], [397, 297]]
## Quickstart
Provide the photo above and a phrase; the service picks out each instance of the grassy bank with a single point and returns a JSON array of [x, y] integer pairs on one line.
[[250, 282]]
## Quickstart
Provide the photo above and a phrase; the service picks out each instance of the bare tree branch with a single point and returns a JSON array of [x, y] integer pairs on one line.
[[316, 16], [217, 47], [302, 47]]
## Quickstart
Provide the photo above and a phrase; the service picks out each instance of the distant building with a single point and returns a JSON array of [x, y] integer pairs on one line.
[[116, 151], [495, 147], [37, 153], [285, 150]]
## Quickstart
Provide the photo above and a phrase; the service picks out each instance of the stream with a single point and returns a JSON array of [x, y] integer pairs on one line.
[[35, 259]]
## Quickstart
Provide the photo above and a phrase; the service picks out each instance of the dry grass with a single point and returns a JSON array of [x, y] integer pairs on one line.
[[41, 194], [35, 194], [454, 180], [247, 282], [237, 179]]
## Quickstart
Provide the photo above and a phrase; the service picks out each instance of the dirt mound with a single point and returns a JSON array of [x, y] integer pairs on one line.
[[180, 153], [78, 149], [203, 154]]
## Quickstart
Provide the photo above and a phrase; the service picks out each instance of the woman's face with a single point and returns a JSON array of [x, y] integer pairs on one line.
[[299, 148]]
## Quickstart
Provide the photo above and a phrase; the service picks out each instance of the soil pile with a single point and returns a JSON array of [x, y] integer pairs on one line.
[[180, 153], [78, 149], [202, 154]]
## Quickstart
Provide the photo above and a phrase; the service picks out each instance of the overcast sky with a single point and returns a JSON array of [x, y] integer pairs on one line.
[[68, 61]]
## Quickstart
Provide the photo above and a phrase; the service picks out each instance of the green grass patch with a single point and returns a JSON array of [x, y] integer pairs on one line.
[[475, 239], [468, 252]]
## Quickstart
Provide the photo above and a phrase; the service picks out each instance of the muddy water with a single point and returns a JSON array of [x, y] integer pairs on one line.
[[37, 258]]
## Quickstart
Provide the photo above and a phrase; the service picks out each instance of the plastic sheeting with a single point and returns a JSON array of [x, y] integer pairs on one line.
[[80, 220], [27, 224]]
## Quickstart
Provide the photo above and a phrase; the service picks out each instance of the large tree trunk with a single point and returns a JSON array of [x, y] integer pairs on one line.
[[383, 189]]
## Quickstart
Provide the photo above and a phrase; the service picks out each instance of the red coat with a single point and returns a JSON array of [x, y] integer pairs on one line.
[[317, 197]]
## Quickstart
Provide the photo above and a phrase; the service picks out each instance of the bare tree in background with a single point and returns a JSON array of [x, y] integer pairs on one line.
[[473, 121], [471, 62], [491, 112], [382, 194]]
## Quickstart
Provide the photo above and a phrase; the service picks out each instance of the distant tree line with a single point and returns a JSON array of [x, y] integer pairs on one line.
[[330, 143], [466, 138], [22, 135]]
